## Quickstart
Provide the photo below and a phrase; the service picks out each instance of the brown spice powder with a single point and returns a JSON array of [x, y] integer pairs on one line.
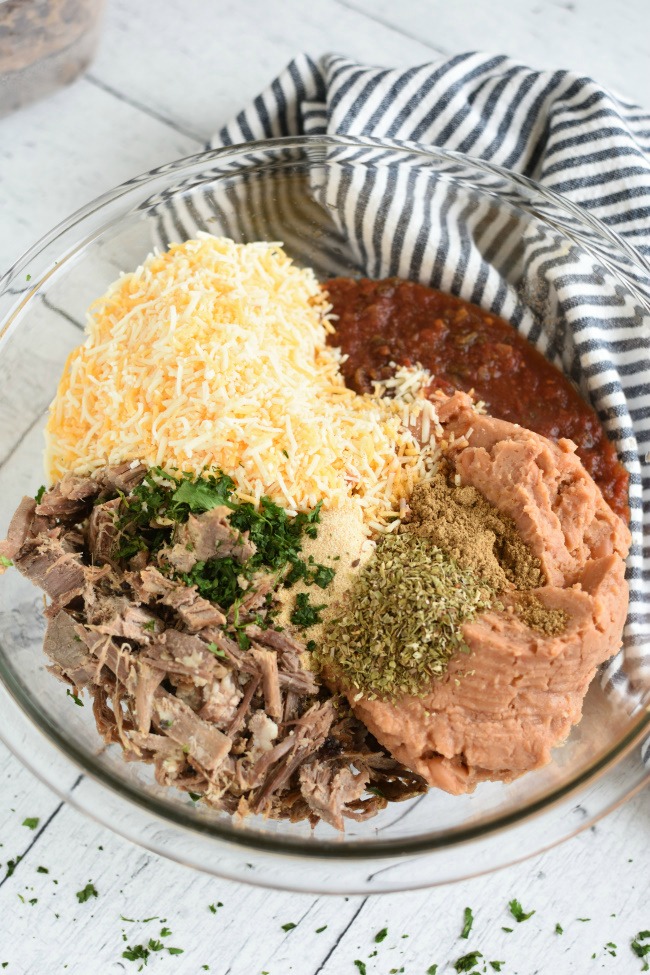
[[460, 521], [535, 614]]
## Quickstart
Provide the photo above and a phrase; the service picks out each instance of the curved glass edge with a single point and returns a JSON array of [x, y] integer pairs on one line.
[[16, 298], [321, 849], [276, 871]]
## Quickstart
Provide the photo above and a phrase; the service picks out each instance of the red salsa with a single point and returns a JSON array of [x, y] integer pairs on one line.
[[464, 347]]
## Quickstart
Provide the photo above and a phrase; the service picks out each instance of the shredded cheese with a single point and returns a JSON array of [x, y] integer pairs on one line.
[[213, 355]]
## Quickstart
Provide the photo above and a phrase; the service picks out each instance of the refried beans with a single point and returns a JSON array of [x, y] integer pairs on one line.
[[466, 348]]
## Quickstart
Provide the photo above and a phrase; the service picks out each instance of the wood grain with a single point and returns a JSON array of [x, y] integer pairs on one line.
[[167, 75]]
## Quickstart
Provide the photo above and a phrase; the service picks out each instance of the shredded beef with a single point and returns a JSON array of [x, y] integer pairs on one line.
[[244, 723]]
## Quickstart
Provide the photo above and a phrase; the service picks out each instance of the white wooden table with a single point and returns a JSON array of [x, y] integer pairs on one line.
[[168, 73]]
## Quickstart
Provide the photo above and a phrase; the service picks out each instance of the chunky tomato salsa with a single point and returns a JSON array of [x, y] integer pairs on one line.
[[464, 347]]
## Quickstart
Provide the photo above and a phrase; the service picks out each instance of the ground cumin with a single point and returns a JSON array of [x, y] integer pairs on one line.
[[460, 521], [535, 614]]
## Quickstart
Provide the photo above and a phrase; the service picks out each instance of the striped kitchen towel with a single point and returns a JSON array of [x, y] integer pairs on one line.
[[560, 129]]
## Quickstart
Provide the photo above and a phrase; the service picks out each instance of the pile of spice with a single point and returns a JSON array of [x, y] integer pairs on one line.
[[464, 524], [404, 620]]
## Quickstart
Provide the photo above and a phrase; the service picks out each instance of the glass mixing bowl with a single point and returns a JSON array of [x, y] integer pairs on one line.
[[290, 190]]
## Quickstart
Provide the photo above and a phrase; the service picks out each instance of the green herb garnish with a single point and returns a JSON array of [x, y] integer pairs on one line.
[[164, 498], [380, 936], [432, 969], [42, 870], [467, 962], [468, 922], [517, 911], [559, 929], [213, 648], [305, 614], [361, 966], [86, 893], [496, 965], [31, 822], [320, 930], [77, 700], [641, 950], [289, 926], [5, 562], [11, 866]]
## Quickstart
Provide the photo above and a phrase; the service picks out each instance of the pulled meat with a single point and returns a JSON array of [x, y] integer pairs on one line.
[[244, 723]]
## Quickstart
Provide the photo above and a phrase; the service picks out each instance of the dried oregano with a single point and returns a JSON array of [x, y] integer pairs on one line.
[[403, 619]]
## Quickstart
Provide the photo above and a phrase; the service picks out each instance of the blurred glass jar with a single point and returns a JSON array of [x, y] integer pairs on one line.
[[44, 45]]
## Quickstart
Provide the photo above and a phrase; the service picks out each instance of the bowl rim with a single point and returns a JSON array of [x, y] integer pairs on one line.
[[284, 844]]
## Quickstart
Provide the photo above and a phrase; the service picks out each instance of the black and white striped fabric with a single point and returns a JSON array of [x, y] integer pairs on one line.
[[563, 131]]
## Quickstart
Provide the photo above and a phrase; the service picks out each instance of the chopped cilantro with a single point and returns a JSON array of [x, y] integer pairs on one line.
[[432, 969], [136, 953], [320, 930], [162, 500], [467, 962], [165, 932], [194, 796], [468, 922], [150, 625], [289, 926], [559, 929], [38, 497], [175, 951], [496, 965], [509, 930], [641, 950], [11, 866], [610, 948], [213, 648], [31, 822], [213, 907], [77, 700], [200, 495], [86, 893], [379, 937], [323, 576], [517, 911], [305, 614], [42, 870], [583, 919], [155, 945], [4, 561], [361, 966], [310, 645], [28, 277]]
